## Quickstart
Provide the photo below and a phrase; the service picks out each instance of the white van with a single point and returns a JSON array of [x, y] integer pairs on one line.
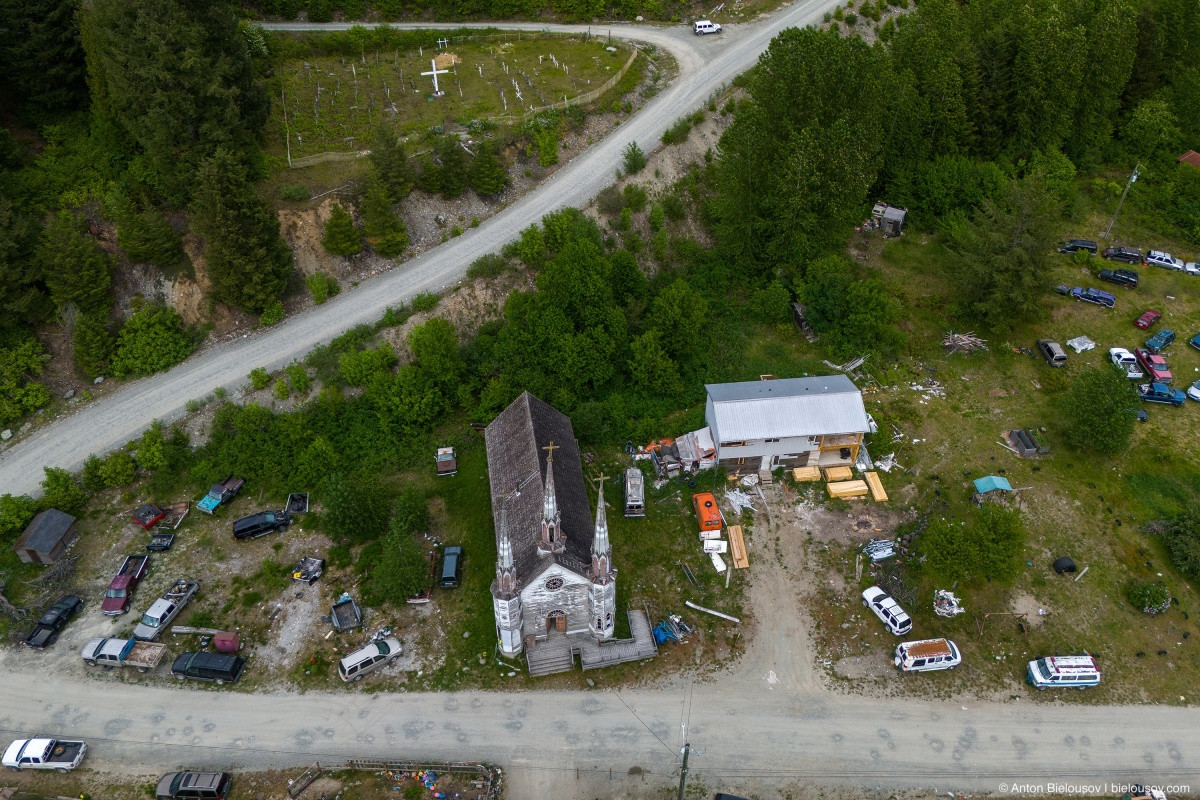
[[703, 26], [927, 655], [1055, 672]]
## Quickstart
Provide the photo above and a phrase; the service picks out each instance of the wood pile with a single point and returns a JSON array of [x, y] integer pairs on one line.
[[737, 547], [877, 492], [847, 489], [837, 473], [962, 343], [806, 474]]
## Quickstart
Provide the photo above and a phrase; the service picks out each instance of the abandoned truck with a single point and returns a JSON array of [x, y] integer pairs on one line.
[[165, 609], [110, 653], [43, 753], [220, 493], [123, 585]]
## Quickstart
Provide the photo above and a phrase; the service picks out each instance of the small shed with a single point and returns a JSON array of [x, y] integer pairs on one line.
[[889, 218], [46, 538]]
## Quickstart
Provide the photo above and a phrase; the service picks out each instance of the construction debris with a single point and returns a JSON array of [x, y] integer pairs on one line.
[[1081, 343], [739, 500], [879, 550], [962, 343], [929, 388], [690, 604], [886, 463], [945, 604]]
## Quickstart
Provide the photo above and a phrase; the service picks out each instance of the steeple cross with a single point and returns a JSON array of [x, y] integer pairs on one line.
[[550, 448]]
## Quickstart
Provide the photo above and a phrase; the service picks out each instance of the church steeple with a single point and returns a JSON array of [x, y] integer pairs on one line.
[[506, 573], [552, 540], [601, 570]]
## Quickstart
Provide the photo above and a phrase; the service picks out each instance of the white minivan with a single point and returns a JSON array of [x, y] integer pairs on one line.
[[927, 655], [703, 26], [1057, 672], [368, 658]]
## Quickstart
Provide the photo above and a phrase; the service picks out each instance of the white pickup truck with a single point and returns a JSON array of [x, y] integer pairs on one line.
[[165, 609], [43, 753], [109, 653]]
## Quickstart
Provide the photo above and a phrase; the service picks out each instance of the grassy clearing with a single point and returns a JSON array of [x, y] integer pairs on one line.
[[335, 103]]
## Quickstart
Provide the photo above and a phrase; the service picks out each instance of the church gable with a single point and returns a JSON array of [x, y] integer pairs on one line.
[[517, 442]]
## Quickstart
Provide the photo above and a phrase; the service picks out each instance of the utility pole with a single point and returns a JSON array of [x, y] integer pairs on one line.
[[1132, 180], [683, 770]]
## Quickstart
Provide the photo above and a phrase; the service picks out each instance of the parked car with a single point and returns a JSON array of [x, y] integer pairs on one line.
[[1195, 341], [261, 524], [1129, 255], [1076, 245], [1063, 289], [111, 653], [1154, 364], [220, 493], [369, 658], [703, 26], [451, 567], [46, 632], [1121, 277], [44, 753], [193, 786], [165, 609], [1089, 295], [888, 610], [1059, 672], [218, 668], [1126, 361], [123, 585], [1194, 391], [1160, 341], [927, 655], [1192, 268], [1147, 319], [1158, 258], [1161, 393], [1052, 351], [446, 461]]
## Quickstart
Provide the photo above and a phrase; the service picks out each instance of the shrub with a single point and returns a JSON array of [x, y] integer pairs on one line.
[[425, 301], [259, 378], [117, 470], [281, 389], [15, 514], [297, 376], [152, 340], [674, 208], [356, 368], [633, 158], [1151, 598], [272, 314], [18, 394], [986, 546], [1098, 411], [839, 14], [294, 192], [678, 132], [656, 217], [851, 18], [635, 197], [489, 266], [1181, 534], [59, 490], [322, 286], [92, 344], [609, 202], [772, 304]]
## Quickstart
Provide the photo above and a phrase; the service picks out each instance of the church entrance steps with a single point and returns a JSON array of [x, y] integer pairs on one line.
[[556, 653]]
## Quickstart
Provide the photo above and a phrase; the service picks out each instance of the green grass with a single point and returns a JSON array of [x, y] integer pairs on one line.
[[356, 95]]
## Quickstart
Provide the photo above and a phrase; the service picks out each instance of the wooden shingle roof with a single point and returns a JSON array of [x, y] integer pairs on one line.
[[516, 472]]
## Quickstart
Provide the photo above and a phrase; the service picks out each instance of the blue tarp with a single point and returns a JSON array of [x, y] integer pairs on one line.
[[992, 483]]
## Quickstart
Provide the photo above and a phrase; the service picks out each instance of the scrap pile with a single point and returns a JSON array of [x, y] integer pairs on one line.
[[945, 604], [962, 343], [879, 550], [672, 629], [427, 778]]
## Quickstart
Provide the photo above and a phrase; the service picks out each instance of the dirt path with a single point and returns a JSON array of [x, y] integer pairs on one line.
[[705, 65]]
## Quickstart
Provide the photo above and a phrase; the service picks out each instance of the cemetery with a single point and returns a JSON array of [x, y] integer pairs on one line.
[[332, 104]]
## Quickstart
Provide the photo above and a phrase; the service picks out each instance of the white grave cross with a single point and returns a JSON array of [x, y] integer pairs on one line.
[[434, 71]]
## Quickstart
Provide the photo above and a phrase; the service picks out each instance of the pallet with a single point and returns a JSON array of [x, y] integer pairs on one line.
[[806, 474], [737, 547], [877, 492], [845, 489], [834, 474]]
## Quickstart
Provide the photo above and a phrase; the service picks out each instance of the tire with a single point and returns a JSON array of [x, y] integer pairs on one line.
[[178, 676], [220, 682], [143, 670], [61, 770], [90, 662], [108, 667], [15, 769]]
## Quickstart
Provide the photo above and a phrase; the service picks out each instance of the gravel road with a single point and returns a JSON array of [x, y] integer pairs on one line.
[[705, 64]]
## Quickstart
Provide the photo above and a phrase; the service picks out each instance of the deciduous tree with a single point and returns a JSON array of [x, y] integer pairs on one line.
[[1099, 410]]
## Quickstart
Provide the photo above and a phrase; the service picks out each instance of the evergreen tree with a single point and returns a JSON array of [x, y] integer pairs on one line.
[[41, 57], [77, 271], [247, 260], [390, 163], [384, 230], [92, 344], [341, 237], [23, 303], [454, 167], [488, 175], [146, 236], [178, 77]]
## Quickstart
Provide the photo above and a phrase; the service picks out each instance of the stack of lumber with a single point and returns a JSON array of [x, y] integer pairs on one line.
[[877, 492], [837, 473], [962, 342], [846, 489], [806, 474], [737, 547]]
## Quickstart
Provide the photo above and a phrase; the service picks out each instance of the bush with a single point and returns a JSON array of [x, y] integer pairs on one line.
[[18, 394], [294, 192], [425, 301], [609, 202], [59, 490], [281, 389], [92, 344], [772, 304], [490, 266], [322, 286], [272, 314], [117, 470], [635, 197], [297, 376], [851, 18], [259, 378], [1151, 598], [356, 368], [15, 514], [986, 546], [1181, 534], [633, 158], [1099, 411], [152, 340], [674, 208], [656, 217]]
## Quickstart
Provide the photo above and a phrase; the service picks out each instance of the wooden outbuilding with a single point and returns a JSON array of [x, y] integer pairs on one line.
[[47, 536]]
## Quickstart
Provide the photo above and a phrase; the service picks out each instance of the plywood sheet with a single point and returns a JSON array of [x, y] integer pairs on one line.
[[877, 492], [737, 547]]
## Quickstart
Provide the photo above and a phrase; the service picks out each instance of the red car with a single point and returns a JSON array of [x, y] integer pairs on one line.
[[121, 589], [1155, 365], [1149, 318]]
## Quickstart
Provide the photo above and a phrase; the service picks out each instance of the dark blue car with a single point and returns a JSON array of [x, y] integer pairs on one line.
[[1161, 393], [1160, 341]]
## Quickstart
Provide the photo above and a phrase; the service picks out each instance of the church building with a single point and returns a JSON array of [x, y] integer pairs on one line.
[[554, 573]]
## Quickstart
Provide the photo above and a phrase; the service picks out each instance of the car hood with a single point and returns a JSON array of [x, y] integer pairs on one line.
[[114, 605]]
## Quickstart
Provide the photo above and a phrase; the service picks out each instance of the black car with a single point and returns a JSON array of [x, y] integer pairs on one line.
[[260, 524], [216, 668], [1130, 255], [1077, 245], [1121, 277], [53, 621]]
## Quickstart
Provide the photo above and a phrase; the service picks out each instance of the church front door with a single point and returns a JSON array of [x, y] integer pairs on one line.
[[556, 620]]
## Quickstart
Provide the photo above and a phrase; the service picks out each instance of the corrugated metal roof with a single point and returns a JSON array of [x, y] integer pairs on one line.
[[784, 408]]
